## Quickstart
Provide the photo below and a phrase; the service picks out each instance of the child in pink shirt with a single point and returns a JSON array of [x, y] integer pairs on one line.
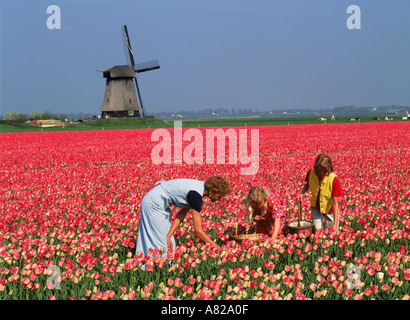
[[264, 207]]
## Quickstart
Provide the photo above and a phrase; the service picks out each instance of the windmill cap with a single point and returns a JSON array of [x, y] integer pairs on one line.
[[119, 72]]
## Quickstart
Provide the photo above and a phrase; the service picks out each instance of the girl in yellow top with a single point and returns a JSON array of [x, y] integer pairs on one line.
[[326, 190]]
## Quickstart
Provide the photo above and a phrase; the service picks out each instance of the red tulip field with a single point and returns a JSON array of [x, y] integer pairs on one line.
[[69, 217]]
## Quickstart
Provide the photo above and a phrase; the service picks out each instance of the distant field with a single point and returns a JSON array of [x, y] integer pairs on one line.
[[269, 121], [137, 123]]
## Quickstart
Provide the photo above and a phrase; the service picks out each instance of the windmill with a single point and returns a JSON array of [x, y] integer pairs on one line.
[[138, 68], [120, 99]]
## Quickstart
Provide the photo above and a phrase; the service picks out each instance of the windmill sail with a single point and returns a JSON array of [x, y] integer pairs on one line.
[[139, 68], [146, 66], [129, 55]]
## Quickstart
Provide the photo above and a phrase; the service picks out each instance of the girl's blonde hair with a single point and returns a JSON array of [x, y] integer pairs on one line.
[[256, 196]]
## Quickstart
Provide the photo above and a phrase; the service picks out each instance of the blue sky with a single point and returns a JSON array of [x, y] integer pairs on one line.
[[260, 54]]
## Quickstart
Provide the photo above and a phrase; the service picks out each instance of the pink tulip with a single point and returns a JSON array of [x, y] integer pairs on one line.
[[367, 292], [391, 270], [357, 297], [406, 273], [348, 292], [131, 295], [371, 271]]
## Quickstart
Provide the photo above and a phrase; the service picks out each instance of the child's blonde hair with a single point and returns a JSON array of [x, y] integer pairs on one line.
[[256, 196]]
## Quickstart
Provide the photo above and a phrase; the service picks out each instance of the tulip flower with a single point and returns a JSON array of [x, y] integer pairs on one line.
[[76, 207], [358, 297]]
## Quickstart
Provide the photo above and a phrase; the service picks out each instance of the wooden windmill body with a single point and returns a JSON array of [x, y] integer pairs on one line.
[[120, 99], [122, 95]]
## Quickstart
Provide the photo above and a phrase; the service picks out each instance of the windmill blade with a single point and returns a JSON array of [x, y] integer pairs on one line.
[[147, 66], [140, 99], [129, 55]]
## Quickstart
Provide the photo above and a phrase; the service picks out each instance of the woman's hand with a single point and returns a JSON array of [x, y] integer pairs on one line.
[[177, 221], [276, 226], [199, 232], [305, 188], [219, 249], [169, 243]]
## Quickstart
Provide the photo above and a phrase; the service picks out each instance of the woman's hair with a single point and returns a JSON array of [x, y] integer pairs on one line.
[[218, 185], [323, 160], [256, 196]]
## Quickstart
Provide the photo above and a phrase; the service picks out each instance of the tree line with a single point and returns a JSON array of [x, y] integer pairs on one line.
[[38, 115]]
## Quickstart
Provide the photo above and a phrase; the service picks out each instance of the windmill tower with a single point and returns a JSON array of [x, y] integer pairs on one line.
[[120, 99], [122, 92]]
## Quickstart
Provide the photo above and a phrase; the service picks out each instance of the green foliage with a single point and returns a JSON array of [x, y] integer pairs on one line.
[[15, 117]]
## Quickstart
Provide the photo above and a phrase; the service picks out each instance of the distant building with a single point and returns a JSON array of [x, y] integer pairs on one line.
[[398, 111], [48, 123]]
